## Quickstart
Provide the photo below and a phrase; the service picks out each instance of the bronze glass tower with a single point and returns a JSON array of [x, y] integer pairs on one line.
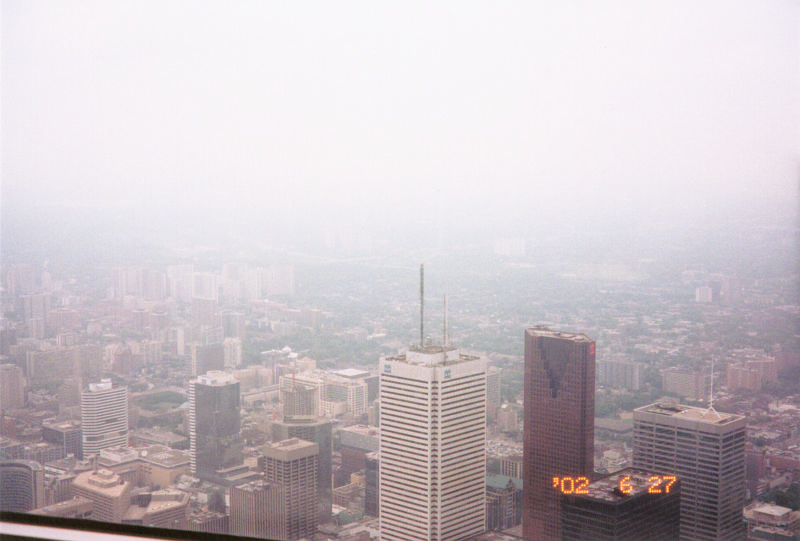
[[559, 425]]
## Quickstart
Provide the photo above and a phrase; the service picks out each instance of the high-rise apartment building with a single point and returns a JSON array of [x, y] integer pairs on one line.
[[559, 424], [690, 384], [432, 445], [293, 464], [104, 417], [214, 423], [705, 449]]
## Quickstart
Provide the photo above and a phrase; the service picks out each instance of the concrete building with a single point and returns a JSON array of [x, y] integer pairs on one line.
[[432, 445], [293, 464], [628, 505], [165, 508], [104, 417], [109, 493], [21, 485], [687, 383], [256, 509], [214, 424], [705, 449], [12, 387], [559, 423], [315, 430], [751, 374], [72, 508], [67, 434], [621, 374], [762, 518]]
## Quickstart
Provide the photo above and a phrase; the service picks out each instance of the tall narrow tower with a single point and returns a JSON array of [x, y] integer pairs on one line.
[[705, 449], [559, 424], [104, 417], [432, 445]]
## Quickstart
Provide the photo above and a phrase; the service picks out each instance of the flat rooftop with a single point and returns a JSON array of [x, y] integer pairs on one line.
[[544, 331], [690, 413], [624, 484]]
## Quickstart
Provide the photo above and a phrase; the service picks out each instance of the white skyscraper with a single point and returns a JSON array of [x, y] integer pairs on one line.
[[104, 417], [432, 445]]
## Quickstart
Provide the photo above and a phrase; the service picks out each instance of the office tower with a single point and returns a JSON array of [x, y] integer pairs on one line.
[[207, 357], [298, 398], [104, 417], [22, 483], [214, 423], [256, 509], [371, 483], [493, 396], [705, 449], [315, 430], [559, 423], [432, 445], [630, 505], [110, 494], [12, 387], [67, 434], [293, 465], [501, 502]]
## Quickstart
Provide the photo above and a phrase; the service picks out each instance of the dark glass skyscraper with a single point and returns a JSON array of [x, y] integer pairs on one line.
[[214, 423], [559, 424]]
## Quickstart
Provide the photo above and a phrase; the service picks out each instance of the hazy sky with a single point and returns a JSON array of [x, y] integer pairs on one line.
[[391, 104]]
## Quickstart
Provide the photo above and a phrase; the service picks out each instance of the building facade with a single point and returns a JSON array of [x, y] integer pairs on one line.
[[315, 430], [558, 437], [705, 449], [256, 509], [214, 424], [293, 464], [104, 417], [432, 445], [22, 483]]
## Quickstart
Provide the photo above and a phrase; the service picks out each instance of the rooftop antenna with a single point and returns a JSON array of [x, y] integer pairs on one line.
[[445, 340], [421, 305], [711, 397]]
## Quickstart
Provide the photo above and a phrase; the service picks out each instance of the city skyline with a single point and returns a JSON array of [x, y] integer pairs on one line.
[[211, 223]]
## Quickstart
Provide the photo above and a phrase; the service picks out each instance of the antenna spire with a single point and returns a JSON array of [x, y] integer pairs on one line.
[[444, 340], [711, 395], [421, 305]]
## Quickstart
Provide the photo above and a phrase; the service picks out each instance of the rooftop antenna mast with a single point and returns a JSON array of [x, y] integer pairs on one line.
[[444, 340], [421, 305], [711, 394]]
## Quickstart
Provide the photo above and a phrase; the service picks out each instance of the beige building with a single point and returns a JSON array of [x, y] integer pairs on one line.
[[76, 507], [293, 464], [256, 510], [687, 383], [166, 508], [432, 445], [109, 493]]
